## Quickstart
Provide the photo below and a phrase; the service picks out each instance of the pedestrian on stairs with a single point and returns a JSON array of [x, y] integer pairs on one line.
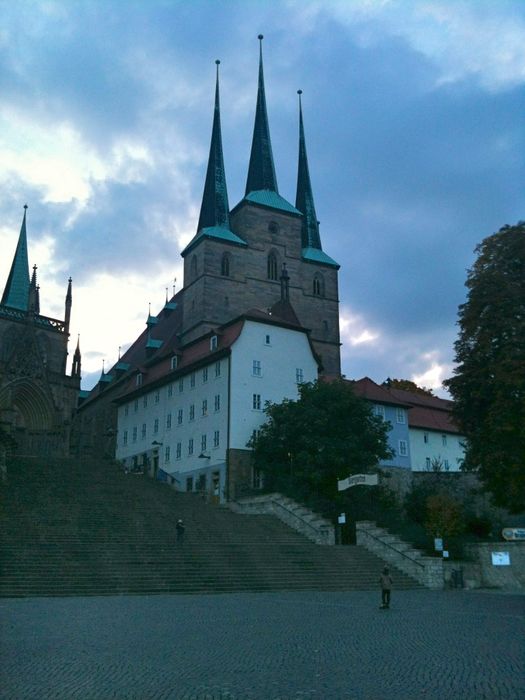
[[180, 531], [385, 581]]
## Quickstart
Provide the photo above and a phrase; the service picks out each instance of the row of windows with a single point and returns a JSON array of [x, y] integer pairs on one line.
[[191, 446], [426, 439], [445, 464], [257, 370], [205, 374], [272, 271], [379, 410]]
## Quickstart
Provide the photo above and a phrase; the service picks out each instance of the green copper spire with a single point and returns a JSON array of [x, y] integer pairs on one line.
[[304, 199], [16, 292], [261, 172], [214, 207]]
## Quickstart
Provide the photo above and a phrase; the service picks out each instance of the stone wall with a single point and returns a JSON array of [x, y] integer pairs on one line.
[[510, 577], [310, 524], [427, 570]]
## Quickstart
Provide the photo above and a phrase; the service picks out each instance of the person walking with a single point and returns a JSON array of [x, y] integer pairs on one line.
[[385, 581], [180, 531]]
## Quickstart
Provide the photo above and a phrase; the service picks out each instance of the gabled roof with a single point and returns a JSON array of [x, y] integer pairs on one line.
[[371, 391], [16, 292], [428, 412]]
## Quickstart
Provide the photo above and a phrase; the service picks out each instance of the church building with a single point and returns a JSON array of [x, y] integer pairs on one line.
[[37, 396], [258, 313]]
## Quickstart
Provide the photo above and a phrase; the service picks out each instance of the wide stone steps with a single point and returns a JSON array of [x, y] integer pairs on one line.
[[88, 529]]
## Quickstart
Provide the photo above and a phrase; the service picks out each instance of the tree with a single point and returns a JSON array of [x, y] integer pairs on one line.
[[407, 385], [489, 383], [327, 434]]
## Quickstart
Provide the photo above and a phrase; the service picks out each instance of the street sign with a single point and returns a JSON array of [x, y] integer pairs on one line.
[[513, 533], [342, 519], [357, 480], [500, 559]]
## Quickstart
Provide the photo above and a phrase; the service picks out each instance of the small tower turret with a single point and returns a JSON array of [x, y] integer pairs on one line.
[[77, 360]]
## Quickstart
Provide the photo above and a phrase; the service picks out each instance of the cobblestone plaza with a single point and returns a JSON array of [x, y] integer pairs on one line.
[[266, 646]]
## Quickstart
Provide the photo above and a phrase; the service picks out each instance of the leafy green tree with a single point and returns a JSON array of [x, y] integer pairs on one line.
[[489, 383], [328, 433], [407, 385]]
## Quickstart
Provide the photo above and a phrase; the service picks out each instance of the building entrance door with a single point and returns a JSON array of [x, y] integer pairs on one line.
[[216, 487]]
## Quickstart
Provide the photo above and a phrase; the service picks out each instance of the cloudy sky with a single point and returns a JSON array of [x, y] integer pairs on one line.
[[414, 119]]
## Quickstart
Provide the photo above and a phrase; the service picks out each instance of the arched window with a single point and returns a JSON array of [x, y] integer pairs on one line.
[[225, 265], [193, 267], [318, 286], [272, 267]]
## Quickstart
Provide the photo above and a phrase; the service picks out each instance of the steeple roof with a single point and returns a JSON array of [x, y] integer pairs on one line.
[[16, 292], [304, 202], [261, 171], [214, 218], [304, 199], [214, 207]]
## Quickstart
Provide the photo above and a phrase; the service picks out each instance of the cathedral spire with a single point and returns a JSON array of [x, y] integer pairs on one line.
[[33, 303], [304, 200], [261, 171], [16, 292], [214, 207], [69, 303]]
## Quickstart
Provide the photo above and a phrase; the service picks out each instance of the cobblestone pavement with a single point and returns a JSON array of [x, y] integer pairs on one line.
[[267, 646]]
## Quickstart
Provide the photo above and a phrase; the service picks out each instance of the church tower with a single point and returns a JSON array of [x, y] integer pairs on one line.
[[37, 398], [234, 262]]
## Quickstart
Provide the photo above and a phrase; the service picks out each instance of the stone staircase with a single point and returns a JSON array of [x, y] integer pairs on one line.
[[86, 528]]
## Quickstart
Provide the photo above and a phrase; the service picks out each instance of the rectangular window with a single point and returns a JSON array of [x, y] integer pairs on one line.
[[205, 375], [192, 380], [425, 438], [179, 450], [125, 440], [145, 402], [428, 463], [217, 402], [267, 340], [203, 443], [170, 390], [403, 448], [126, 410], [138, 380], [444, 440], [216, 438], [299, 377], [213, 342], [167, 453], [136, 405], [179, 416], [400, 415], [447, 465], [204, 407], [379, 410], [218, 368], [135, 434], [192, 412], [181, 386], [190, 446], [256, 402], [174, 361], [143, 432], [168, 421], [157, 396], [156, 426], [256, 368]]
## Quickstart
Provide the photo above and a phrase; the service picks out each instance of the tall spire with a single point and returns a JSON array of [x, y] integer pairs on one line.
[[33, 303], [16, 292], [69, 303], [261, 171], [304, 200], [214, 207]]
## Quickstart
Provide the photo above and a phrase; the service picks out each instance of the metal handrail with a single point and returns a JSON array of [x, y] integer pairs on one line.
[[389, 545], [316, 530]]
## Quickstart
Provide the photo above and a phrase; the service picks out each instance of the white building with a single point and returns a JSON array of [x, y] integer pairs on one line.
[[189, 418]]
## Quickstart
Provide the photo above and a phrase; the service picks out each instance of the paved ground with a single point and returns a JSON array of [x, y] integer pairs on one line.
[[269, 646]]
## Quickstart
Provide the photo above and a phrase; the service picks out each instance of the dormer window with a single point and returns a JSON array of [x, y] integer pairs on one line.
[[213, 342], [174, 362], [138, 379]]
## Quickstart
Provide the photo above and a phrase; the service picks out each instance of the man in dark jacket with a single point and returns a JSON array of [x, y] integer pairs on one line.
[[180, 531], [385, 580]]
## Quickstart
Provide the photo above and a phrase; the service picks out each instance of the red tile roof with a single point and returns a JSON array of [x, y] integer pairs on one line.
[[428, 412], [371, 391]]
